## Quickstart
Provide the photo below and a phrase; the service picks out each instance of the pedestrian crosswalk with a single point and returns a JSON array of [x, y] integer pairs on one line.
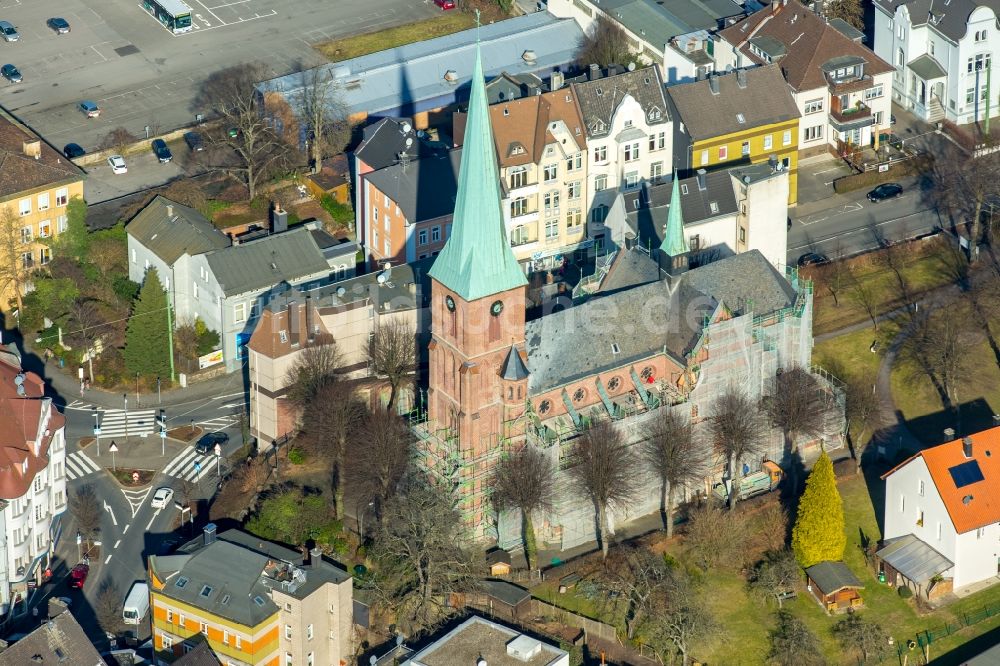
[[140, 422], [79, 464], [189, 465], [219, 423]]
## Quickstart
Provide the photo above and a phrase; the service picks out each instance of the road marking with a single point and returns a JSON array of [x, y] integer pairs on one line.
[[115, 547], [79, 464], [816, 241], [99, 53], [136, 498], [150, 523], [126, 528], [836, 168], [831, 212], [107, 508], [108, 559]]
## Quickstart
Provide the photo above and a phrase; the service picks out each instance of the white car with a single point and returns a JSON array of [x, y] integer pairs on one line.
[[161, 498], [117, 164]]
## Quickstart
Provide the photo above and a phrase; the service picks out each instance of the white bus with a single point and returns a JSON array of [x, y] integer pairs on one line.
[[173, 14], [136, 604]]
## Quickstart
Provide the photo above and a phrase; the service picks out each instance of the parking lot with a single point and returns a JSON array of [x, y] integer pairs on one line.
[[142, 75]]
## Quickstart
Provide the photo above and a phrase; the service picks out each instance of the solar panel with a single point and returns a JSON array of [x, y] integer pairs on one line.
[[965, 474]]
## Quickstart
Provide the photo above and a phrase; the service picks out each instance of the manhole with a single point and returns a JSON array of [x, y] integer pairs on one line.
[[127, 50]]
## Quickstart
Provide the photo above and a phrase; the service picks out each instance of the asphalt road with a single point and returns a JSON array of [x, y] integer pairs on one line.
[[142, 75]]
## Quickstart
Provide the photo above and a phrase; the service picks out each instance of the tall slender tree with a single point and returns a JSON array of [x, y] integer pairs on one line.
[[524, 481], [677, 458], [377, 465], [15, 256], [392, 354], [818, 534], [147, 341], [738, 431], [796, 407]]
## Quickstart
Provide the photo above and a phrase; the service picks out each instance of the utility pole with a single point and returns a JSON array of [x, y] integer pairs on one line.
[[170, 336], [97, 433]]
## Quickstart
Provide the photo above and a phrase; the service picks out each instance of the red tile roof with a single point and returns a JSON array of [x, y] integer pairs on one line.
[[983, 504], [19, 419]]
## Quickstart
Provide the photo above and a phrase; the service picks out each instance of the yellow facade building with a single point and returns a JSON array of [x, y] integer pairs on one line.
[[747, 116]]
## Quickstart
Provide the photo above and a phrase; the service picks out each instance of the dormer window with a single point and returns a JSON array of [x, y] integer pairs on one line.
[[654, 114]]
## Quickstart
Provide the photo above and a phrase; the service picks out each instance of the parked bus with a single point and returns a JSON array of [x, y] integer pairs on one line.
[[136, 604], [173, 14]]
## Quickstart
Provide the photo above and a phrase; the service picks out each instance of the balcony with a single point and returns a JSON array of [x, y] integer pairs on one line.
[[849, 117]]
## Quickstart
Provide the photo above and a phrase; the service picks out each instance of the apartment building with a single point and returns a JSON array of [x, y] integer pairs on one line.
[[32, 482], [747, 116], [481, 641], [255, 603], [36, 186]]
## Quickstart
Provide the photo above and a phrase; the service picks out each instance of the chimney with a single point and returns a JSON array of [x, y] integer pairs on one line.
[[310, 331], [967, 447], [279, 219], [594, 72], [741, 78], [612, 69], [293, 322], [32, 148], [713, 84], [701, 180], [772, 161], [556, 80], [630, 239], [170, 210], [315, 557], [209, 534]]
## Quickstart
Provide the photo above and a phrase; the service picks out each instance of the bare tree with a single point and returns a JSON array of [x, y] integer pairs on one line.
[[632, 577], [108, 607], [424, 555], [84, 318], [775, 576], [861, 410], [964, 188], [605, 43], [793, 644], [796, 407], [119, 139], [714, 537], [392, 353], [606, 473], [255, 149], [983, 297], [676, 457], [868, 640], [16, 259], [86, 511], [315, 366], [864, 295], [681, 618], [324, 113], [376, 467], [835, 276], [332, 416], [738, 431], [524, 481], [937, 348]]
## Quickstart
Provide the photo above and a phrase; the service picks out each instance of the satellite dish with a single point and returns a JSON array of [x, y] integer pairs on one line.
[[381, 278], [19, 379], [631, 67], [20, 390], [373, 660], [406, 127], [399, 639], [341, 291], [409, 141]]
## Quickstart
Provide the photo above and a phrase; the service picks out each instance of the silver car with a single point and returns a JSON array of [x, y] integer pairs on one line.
[[9, 32]]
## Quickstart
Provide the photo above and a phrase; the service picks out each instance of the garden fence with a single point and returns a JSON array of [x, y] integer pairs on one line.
[[927, 637]]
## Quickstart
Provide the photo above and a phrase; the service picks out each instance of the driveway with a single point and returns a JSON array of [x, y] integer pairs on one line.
[[816, 176], [144, 172]]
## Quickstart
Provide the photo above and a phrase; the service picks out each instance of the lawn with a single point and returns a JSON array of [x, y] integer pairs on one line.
[[850, 355], [372, 42]]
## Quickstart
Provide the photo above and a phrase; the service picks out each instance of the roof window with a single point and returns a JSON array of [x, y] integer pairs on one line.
[[258, 600], [181, 582], [740, 118], [206, 591], [615, 349]]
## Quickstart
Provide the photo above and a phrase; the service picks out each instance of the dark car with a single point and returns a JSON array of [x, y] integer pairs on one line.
[[885, 191], [78, 576], [73, 150], [194, 141], [11, 73], [812, 259], [162, 151], [207, 442], [60, 25]]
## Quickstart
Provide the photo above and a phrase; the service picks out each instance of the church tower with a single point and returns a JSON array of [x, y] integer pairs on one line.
[[674, 254], [478, 376]]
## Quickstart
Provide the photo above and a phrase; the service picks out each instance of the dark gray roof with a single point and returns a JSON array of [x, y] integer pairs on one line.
[[913, 558], [58, 642], [846, 29], [513, 370], [600, 98], [513, 86], [201, 655], [425, 188], [927, 67], [169, 237], [766, 99], [743, 282], [631, 268], [265, 262], [649, 218], [832, 576], [774, 48], [506, 592], [660, 20], [383, 142], [953, 17], [333, 247]]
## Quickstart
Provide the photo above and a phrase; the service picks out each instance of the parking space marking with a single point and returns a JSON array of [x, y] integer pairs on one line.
[[832, 212]]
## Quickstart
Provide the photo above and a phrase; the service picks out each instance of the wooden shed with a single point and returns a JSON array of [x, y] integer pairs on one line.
[[503, 600], [498, 561], [834, 586], [333, 178]]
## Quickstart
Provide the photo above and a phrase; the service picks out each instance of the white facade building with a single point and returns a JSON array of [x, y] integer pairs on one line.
[[942, 54]]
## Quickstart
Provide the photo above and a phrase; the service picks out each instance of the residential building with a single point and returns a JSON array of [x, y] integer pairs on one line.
[[32, 482], [673, 34], [350, 312], [507, 87], [841, 87], [499, 381], [941, 52], [942, 523], [221, 280], [408, 208], [541, 147], [424, 79], [59, 640], [254, 602], [629, 133], [36, 186], [747, 116], [480, 641]]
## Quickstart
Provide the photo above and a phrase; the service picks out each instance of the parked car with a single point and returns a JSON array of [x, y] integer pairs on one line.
[[89, 109], [885, 191], [162, 151], [11, 73], [9, 32], [78, 576], [445, 4], [162, 498], [207, 442], [117, 164], [194, 141], [812, 259], [60, 25], [73, 150]]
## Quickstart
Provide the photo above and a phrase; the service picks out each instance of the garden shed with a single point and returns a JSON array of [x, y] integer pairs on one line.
[[834, 586], [498, 561]]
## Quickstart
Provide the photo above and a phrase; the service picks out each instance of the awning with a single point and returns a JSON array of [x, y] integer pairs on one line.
[[913, 558], [927, 68]]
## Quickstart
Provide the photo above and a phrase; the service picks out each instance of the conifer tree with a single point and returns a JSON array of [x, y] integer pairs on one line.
[[147, 347], [818, 534]]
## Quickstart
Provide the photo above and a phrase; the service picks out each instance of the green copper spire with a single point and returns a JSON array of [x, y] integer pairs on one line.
[[673, 243], [477, 261]]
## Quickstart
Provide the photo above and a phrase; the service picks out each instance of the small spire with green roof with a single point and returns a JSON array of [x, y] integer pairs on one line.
[[673, 257]]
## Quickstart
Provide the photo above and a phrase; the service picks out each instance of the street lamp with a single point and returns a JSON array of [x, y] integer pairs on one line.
[[361, 521]]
